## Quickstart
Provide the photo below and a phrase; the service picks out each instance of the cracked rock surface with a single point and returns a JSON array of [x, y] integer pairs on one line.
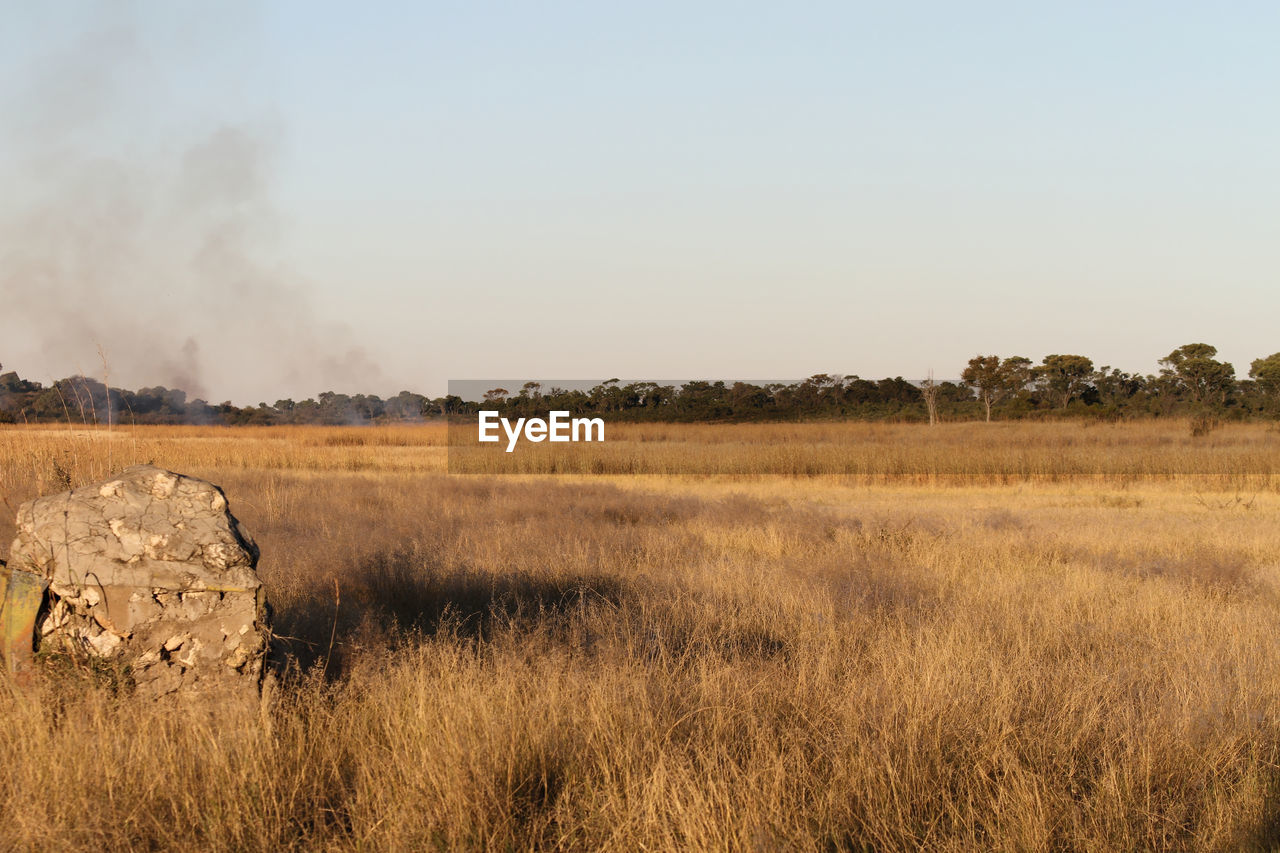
[[149, 568]]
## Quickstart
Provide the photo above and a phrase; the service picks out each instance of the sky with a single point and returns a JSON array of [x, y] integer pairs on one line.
[[263, 200]]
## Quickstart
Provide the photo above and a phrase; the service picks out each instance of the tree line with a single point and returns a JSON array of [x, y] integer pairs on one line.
[[1191, 380]]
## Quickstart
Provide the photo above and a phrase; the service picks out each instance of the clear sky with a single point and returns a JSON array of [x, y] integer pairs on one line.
[[276, 199]]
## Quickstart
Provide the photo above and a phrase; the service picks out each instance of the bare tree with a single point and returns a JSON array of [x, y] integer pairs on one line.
[[929, 391]]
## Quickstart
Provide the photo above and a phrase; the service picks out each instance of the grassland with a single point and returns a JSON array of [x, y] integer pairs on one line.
[[871, 637]]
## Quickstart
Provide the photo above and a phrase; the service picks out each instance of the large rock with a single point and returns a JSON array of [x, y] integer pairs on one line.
[[149, 569]]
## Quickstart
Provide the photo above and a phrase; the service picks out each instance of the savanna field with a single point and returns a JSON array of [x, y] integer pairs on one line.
[[1038, 636]]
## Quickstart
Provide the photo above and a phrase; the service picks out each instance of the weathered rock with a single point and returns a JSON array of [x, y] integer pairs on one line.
[[149, 569]]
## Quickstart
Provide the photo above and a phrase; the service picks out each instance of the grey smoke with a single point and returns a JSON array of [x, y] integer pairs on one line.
[[159, 245], [183, 370]]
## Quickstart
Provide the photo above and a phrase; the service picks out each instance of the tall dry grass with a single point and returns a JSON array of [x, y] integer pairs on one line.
[[665, 663], [1238, 454]]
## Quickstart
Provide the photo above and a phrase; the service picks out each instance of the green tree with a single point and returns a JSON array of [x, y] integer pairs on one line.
[[1198, 374], [994, 380], [1266, 372], [1115, 386], [1063, 377]]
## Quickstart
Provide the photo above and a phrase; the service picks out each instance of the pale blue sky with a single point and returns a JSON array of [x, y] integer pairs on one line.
[[584, 189]]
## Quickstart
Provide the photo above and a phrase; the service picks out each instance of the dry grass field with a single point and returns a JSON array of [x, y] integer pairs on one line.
[[870, 637]]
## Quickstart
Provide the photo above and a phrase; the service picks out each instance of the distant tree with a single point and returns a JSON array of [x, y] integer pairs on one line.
[[1017, 371], [407, 406], [1115, 386], [813, 394], [994, 380], [647, 394], [10, 381], [982, 374], [659, 395], [748, 399], [1267, 373], [607, 396], [366, 408], [1063, 377], [1197, 373], [496, 395], [929, 392]]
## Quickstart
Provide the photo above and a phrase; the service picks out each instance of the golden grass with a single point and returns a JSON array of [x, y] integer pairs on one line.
[[887, 661], [1239, 454]]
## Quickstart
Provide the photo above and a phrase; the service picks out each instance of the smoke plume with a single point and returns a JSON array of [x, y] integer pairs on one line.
[[157, 244]]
